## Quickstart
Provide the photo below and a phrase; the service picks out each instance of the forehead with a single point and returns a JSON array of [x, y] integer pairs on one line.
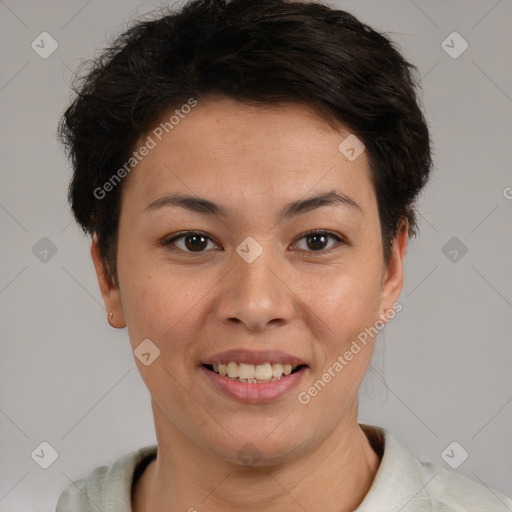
[[258, 153]]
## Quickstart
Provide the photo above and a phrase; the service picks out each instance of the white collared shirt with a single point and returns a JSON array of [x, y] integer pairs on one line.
[[402, 484]]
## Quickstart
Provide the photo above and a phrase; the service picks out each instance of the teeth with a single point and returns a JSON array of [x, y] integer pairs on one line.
[[262, 371], [232, 370], [244, 372], [277, 370], [247, 371]]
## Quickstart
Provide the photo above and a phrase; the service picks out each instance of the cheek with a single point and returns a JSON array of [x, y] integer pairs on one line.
[[164, 303], [345, 306], [167, 311], [347, 310], [346, 299], [156, 305]]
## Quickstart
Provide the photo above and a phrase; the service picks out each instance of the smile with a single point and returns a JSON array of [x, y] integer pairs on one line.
[[254, 391], [253, 374]]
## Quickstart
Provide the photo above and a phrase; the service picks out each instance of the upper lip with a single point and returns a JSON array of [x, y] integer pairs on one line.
[[254, 357]]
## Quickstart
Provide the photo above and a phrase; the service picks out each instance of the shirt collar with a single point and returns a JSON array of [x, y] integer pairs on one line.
[[398, 484]]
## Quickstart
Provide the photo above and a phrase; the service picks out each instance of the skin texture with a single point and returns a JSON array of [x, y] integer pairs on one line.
[[306, 302]]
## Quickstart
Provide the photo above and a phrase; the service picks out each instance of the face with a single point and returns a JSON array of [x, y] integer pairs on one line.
[[235, 270]]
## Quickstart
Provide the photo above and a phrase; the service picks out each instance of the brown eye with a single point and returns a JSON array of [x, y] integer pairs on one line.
[[195, 242], [189, 242], [316, 241]]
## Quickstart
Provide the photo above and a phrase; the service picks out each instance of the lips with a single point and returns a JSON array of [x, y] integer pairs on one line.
[[276, 373], [253, 357], [255, 393]]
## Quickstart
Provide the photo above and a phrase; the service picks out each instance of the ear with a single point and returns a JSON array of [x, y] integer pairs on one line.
[[393, 277], [109, 291]]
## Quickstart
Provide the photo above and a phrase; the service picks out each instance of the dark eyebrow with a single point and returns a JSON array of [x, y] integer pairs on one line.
[[206, 207], [317, 201], [192, 203]]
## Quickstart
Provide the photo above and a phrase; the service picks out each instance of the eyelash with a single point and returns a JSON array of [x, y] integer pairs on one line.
[[339, 240]]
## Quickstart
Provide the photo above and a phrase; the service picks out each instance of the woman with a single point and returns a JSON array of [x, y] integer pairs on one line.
[[248, 174]]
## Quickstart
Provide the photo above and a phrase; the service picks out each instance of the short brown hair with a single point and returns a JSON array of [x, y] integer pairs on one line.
[[258, 52]]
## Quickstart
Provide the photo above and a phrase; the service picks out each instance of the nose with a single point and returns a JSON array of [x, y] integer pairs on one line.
[[256, 294]]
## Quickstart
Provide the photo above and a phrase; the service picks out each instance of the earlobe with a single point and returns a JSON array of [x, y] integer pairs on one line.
[[109, 291]]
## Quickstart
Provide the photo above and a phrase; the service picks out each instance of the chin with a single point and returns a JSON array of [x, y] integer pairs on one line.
[[255, 449]]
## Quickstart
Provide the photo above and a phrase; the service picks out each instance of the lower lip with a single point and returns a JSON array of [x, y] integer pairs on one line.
[[255, 393]]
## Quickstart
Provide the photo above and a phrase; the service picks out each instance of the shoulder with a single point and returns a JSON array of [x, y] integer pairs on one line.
[[106, 488], [84, 494], [449, 491], [404, 483]]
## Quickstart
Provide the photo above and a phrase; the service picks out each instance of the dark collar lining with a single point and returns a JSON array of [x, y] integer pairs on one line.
[[376, 439], [141, 467]]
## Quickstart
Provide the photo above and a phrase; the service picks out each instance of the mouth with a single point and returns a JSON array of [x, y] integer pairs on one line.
[[254, 377], [254, 374]]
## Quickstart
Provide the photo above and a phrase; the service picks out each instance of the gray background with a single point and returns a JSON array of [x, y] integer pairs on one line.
[[442, 370]]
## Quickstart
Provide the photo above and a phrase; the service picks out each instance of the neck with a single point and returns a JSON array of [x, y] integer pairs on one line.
[[334, 477]]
